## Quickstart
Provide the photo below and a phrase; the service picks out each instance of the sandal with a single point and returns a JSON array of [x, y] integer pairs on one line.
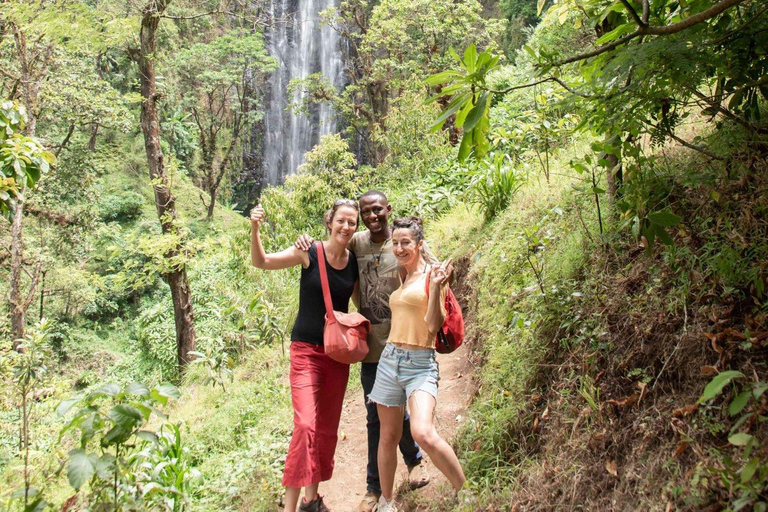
[[418, 476]]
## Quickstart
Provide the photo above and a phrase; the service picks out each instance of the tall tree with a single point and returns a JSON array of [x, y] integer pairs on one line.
[[165, 201], [214, 79], [22, 161], [33, 57]]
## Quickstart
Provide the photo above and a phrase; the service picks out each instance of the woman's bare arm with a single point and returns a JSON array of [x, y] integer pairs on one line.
[[286, 258], [438, 287]]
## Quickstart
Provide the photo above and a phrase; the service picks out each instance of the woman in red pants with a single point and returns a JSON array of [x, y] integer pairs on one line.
[[317, 381]]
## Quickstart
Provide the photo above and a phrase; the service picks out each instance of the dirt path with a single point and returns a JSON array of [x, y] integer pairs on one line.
[[347, 487]]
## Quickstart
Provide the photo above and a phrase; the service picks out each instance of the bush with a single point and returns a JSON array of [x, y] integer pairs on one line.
[[495, 184], [122, 207]]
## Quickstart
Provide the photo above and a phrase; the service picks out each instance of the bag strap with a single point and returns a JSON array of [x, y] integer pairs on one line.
[[324, 280], [427, 270]]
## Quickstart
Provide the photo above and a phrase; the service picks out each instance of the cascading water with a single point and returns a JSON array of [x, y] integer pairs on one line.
[[302, 47]]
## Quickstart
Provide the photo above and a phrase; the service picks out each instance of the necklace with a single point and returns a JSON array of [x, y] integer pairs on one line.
[[376, 258]]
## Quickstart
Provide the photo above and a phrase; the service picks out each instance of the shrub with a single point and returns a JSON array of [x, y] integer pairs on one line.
[[121, 207]]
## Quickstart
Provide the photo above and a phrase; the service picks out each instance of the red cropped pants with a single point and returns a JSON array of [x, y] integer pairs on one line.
[[318, 384]]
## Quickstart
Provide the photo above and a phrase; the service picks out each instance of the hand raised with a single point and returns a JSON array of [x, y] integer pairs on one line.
[[440, 274], [257, 215]]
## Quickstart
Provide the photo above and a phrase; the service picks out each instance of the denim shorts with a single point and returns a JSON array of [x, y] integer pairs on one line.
[[401, 372]]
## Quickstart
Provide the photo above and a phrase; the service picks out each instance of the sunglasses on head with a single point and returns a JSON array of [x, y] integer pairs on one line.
[[345, 202]]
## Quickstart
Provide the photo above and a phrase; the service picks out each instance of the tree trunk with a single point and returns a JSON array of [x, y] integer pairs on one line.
[[32, 78], [92, 140], [17, 253], [165, 202], [212, 194]]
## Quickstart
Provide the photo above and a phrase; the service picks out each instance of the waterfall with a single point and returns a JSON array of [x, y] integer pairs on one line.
[[302, 47]]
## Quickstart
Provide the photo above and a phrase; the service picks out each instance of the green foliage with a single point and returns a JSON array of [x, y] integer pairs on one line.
[[27, 370], [121, 458], [124, 207], [298, 207], [469, 107], [22, 159], [745, 478], [495, 184], [335, 165]]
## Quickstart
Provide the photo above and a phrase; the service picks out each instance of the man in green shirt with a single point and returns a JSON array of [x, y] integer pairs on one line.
[[379, 277]]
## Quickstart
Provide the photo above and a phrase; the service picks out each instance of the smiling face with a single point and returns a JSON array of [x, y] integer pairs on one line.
[[406, 248], [343, 225], [375, 211]]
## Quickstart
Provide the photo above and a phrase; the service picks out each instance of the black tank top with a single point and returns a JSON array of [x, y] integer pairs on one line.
[[310, 320]]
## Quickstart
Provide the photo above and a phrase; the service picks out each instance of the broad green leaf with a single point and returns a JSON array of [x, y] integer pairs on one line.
[[126, 416], [116, 435], [168, 390], [81, 467], [717, 384], [540, 6], [137, 388], [465, 147], [749, 470], [109, 389], [738, 403], [443, 77], [451, 109], [463, 113], [67, 404], [477, 112], [662, 235], [105, 467], [616, 33], [664, 218], [758, 389], [146, 435], [470, 58], [740, 439]]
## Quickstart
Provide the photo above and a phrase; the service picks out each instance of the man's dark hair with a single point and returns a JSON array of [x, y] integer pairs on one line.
[[374, 193]]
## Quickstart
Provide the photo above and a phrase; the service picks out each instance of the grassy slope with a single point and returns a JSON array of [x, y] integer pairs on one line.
[[581, 394]]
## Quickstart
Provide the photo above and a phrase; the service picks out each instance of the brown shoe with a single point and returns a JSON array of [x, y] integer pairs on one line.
[[315, 505], [417, 476], [368, 504]]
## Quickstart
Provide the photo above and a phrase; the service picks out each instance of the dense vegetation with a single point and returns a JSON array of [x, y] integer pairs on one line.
[[600, 178]]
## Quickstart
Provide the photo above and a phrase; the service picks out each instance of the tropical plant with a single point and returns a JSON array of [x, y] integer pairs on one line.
[[22, 159], [746, 479], [121, 458], [495, 183], [27, 370]]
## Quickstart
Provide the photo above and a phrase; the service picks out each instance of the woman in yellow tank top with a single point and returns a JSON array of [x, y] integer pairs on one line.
[[408, 371]]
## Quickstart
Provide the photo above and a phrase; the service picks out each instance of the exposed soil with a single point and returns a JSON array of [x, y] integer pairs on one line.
[[347, 487]]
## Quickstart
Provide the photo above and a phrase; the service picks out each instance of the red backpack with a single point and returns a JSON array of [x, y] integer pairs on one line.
[[451, 334]]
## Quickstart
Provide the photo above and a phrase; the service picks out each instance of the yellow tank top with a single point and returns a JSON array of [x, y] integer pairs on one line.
[[409, 310]]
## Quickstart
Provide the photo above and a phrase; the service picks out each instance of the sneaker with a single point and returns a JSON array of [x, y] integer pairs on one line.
[[417, 476], [315, 505], [386, 506], [368, 504]]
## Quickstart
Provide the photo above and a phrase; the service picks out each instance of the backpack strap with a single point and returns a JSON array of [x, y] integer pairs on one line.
[[324, 281]]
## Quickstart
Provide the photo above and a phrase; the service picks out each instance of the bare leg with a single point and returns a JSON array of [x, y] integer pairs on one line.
[[291, 498], [391, 419], [310, 492], [422, 406]]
